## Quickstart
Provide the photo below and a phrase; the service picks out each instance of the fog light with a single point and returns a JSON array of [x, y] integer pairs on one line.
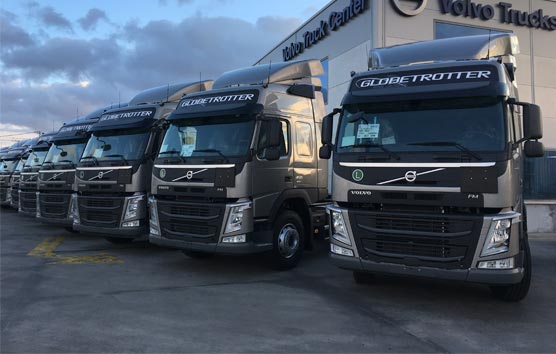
[[507, 263], [234, 239], [133, 223], [341, 250]]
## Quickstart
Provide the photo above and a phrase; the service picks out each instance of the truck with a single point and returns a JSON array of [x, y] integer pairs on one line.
[[113, 174], [28, 183], [428, 165], [13, 184], [238, 171], [57, 188], [8, 165]]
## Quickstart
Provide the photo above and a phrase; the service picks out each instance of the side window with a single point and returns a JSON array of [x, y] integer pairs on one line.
[[263, 139], [303, 139]]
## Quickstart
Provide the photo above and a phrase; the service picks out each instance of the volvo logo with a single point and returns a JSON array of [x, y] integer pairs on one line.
[[411, 176], [189, 175], [419, 6], [162, 173], [100, 175], [357, 175]]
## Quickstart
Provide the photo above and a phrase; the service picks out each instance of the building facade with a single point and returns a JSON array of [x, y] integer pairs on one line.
[[344, 31]]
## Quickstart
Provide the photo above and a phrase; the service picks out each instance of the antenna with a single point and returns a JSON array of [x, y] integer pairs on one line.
[[76, 113], [168, 92], [368, 56], [200, 80], [269, 69], [119, 99], [489, 34]]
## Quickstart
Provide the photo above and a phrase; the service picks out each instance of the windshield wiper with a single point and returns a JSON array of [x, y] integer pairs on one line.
[[449, 143], [90, 157], [380, 146], [182, 158], [216, 151], [120, 156]]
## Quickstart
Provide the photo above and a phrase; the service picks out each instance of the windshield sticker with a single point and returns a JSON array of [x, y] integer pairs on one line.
[[348, 140], [368, 131], [137, 114], [189, 139]]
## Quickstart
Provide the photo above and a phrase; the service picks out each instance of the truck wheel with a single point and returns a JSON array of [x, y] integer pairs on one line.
[[362, 277], [118, 240], [288, 239], [516, 292], [197, 254]]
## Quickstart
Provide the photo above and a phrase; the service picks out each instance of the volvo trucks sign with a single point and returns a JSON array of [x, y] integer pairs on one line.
[[334, 21]]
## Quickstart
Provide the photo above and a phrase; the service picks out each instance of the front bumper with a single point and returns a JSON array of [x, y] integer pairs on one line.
[[132, 232], [490, 277], [28, 202], [249, 247]]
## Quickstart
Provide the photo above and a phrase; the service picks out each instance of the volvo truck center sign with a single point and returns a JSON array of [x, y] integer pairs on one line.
[[467, 8], [335, 21]]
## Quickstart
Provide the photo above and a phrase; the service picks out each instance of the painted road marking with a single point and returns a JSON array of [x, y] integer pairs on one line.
[[47, 248]]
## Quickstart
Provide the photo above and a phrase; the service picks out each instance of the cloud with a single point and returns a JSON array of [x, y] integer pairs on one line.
[[42, 82], [49, 17], [90, 21], [12, 35]]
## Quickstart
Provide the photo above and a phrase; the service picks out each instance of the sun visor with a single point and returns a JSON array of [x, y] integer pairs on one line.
[[169, 93]]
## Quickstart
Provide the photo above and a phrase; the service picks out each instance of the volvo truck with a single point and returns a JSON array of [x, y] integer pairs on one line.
[[8, 165], [57, 188], [428, 165], [113, 174], [28, 183], [13, 187], [238, 170]]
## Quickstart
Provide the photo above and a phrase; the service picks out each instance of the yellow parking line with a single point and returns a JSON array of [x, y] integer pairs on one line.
[[47, 248]]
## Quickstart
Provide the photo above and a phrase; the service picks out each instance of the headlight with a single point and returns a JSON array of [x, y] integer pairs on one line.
[[235, 218], [498, 238], [338, 227], [131, 211], [153, 217], [74, 209]]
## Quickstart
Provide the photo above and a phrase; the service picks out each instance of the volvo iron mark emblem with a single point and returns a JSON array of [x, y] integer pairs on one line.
[[411, 176], [357, 175], [420, 5]]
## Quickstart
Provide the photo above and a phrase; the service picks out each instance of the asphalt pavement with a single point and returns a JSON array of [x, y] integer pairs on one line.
[[63, 292]]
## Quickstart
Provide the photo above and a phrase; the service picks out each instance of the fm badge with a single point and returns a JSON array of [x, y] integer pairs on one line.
[[162, 173], [357, 175]]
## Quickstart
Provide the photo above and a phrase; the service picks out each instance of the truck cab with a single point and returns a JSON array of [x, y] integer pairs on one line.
[[28, 181], [113, 174], [10, 160], [428, 165], [57, 188], [238, 170]]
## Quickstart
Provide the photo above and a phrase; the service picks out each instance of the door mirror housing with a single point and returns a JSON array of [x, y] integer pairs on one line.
[[534, 149], [328, 127], [274, 133], [532, 121], [325, 152], [271, 154]]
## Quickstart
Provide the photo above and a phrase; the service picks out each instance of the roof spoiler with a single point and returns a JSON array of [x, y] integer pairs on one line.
[[449, 49], [169, 93], [282, 72]]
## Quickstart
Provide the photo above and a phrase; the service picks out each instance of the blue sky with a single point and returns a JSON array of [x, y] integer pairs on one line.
[[59, 57]]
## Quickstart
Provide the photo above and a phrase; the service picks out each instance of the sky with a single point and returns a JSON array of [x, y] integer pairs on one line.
[[60, 59]]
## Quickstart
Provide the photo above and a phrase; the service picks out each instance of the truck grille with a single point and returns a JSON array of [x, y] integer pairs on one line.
[[28, 201], [100, 211], [437, 241], [190, 221], [54, 206]]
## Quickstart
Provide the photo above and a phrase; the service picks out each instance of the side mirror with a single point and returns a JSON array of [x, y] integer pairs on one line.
[[328, 127], [271, 154], [325, 152], [532, 121], [534, 149], [274, 133]]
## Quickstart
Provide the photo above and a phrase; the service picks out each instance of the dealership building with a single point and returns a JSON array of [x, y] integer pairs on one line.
[[344, 31]]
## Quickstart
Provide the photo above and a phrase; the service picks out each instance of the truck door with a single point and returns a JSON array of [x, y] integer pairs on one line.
[[271, 178], [305, 162]]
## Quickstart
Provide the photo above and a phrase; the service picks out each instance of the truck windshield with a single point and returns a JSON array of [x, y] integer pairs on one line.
[[20, 165], [123, 146], [215, 136], [7, 165], [64, 152], [36, 158], [470, 124]]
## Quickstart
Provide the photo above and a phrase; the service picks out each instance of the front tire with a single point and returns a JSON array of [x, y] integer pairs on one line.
[[516, 292], [288, 240]]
